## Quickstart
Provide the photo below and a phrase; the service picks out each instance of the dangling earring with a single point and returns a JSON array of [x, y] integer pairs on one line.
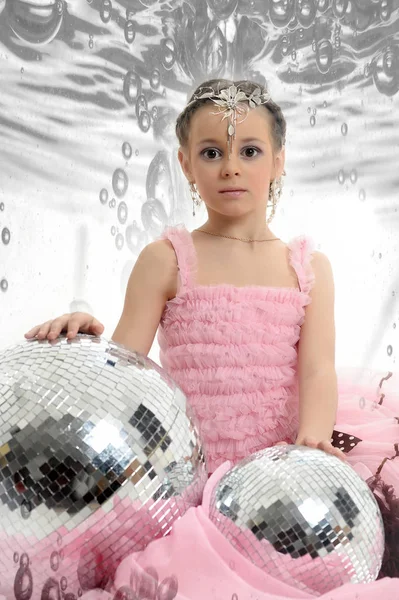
[[275, 191], [195, 196]]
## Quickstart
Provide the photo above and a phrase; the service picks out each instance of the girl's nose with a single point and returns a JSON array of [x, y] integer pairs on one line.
[[231, 165]]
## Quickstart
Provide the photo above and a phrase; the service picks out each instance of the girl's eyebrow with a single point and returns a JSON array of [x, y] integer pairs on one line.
[[246, 140]]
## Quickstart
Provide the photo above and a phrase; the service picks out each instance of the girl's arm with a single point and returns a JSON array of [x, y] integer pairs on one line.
[[318, 395], [318, 400], [147, 292]]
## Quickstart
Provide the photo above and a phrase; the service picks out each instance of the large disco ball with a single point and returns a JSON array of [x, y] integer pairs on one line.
[[97, 458], [303, 516]]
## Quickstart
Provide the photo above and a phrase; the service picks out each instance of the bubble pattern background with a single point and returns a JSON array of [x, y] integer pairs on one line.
[[90, 94]]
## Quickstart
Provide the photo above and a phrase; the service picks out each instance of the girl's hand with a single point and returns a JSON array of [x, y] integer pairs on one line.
[[325, 445], [71, 324]]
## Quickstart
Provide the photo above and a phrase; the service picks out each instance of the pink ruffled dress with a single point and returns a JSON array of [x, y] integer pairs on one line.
[[233, 351]]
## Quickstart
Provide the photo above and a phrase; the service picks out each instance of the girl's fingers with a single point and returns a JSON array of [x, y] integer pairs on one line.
[[309, 441], [32, 332], [97, 326], [330, 449], [71, 324], [326, 446], [340, 455], [44, 330], [57, 326]]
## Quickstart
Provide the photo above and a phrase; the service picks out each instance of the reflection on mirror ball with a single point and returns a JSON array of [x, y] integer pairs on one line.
[[97, 459], [303, 516]]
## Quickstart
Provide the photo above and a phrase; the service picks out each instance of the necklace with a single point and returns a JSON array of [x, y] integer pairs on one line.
[[235, 238]]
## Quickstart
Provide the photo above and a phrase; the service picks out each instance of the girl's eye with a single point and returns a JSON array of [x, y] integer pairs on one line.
[[252, 148], [213, 150]]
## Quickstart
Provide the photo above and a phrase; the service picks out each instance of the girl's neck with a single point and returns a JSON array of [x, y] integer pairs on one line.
[[254, 232]]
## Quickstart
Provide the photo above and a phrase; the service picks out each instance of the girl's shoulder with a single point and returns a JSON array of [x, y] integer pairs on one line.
[[164, 251]]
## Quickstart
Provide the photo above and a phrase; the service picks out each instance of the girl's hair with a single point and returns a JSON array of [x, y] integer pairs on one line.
[[278, 128]]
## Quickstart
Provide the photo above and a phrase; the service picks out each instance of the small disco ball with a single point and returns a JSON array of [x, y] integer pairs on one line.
[[303, 516], [97, 458]]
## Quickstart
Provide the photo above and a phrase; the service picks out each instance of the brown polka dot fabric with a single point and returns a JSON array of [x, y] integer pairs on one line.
[[344, 441]]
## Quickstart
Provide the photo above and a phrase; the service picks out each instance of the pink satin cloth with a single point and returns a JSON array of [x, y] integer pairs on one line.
[[196, 562]]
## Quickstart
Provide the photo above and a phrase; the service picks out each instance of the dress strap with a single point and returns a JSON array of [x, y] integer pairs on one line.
[[301, 253], [184, 248]]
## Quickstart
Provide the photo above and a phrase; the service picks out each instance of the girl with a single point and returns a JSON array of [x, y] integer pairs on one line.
[[246, 322]]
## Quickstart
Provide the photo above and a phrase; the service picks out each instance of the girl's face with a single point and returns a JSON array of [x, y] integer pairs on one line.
[[251, 165]]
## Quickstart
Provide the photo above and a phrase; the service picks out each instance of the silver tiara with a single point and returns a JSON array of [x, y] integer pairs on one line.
[[233, 102]]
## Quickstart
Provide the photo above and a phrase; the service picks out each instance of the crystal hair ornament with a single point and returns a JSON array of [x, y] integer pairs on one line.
[[232, 102]]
